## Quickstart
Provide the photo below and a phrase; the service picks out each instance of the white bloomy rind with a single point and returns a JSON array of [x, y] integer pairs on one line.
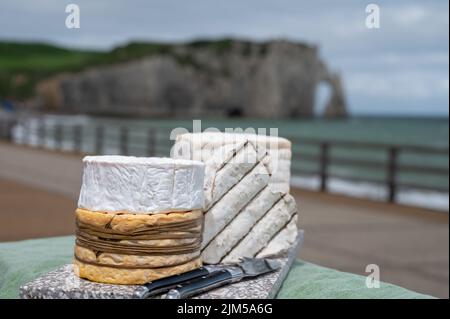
[[204, 146], [141, 184]]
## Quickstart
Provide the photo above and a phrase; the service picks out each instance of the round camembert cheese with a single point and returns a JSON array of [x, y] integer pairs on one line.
[[141, 184]]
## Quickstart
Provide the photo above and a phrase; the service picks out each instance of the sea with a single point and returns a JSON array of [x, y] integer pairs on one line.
[[428, 132]]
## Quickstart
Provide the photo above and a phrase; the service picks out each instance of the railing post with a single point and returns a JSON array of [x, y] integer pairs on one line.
[[41, 133], [9, 125], [2, 128], [151, 142], [26, 133], [324, 148], [392, 174], [58, 136], [5, 128], [77, 138], [124, 140], [99, 140]]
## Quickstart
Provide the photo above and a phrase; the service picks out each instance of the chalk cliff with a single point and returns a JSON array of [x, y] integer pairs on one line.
[[276, 79]]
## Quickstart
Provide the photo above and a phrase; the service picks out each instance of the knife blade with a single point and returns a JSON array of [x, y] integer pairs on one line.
[[163, 285], [247, 268]]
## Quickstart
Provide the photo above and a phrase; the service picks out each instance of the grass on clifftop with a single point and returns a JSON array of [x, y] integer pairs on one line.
[[22, 65]]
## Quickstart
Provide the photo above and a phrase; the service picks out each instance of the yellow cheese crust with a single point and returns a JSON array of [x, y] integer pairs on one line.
[[134, 269], [125, 221], [133, 261], [124, 276]]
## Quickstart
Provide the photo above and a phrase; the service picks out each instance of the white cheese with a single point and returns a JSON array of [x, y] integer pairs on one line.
[[282, 241], [226, 167], [263, 232], [141, 185], [202, 146], [219, 215], [245, 213], [240, 226]]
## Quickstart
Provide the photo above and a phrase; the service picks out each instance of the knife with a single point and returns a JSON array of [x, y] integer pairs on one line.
[[163, 285], [247, 268]]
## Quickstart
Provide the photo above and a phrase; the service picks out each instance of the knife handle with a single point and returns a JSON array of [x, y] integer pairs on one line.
[[199, 285], [165, 284]]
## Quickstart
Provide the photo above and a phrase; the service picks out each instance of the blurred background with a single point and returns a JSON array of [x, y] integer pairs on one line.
[[365, 107]]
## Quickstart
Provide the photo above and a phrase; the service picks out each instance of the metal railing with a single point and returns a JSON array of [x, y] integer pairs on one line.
[[391, 166], [57, 136], [148, 144]]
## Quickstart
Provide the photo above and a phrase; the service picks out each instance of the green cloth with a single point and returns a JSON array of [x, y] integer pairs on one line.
[[309, 281], [23, 261]]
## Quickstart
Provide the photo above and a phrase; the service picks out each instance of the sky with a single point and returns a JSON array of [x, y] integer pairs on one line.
[[401, 68]]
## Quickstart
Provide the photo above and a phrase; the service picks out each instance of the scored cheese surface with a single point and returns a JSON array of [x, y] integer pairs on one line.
[[204, 146], [141, 184], [248, 209], [264, 231]]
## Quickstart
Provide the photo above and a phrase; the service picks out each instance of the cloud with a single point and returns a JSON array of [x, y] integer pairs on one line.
[[411, 15], [408, 85]]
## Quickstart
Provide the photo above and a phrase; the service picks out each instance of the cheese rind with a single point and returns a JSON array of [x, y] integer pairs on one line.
[[244, 216], [218, 216], [203, 146], [240, 226], [217, 139], [264, 231], [141, 185], [282, 242], [112, 275], [226, 168]]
